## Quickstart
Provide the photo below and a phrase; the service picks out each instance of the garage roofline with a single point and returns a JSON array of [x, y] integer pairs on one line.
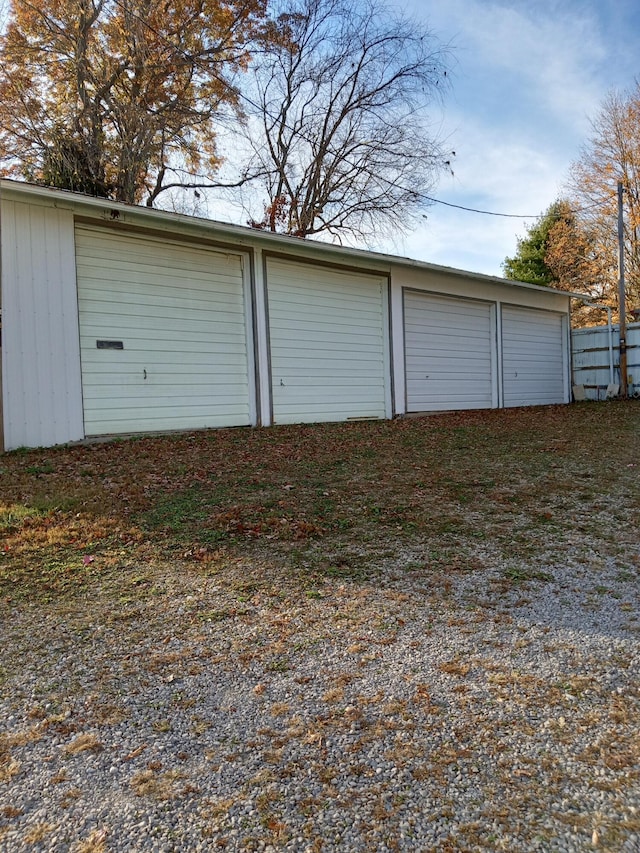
[[246, 236]]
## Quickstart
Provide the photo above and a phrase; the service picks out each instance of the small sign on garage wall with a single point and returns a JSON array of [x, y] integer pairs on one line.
[[109, 345]]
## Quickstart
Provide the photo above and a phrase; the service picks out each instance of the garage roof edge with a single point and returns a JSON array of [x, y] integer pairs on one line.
[[74, 201]]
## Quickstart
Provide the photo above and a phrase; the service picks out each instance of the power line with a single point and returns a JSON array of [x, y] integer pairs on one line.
[[484, 212], [241, 95], [508, 215]]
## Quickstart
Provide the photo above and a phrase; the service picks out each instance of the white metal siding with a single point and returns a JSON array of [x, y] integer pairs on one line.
[[42, 399], [533, 357], [596, 359], [449, 353], [327, 343], [179, 312]]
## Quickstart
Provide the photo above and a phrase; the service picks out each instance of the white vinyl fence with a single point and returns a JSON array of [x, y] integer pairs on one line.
[[596, 360]]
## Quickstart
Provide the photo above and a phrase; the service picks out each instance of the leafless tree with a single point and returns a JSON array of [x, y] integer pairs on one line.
[[340, 119], [612, 154]]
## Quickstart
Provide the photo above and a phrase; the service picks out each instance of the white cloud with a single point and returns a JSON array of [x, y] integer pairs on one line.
[[524, 60], [496, 171], [529, 76]]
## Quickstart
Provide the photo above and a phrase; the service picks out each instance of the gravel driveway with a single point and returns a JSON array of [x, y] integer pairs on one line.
[[416, 710]]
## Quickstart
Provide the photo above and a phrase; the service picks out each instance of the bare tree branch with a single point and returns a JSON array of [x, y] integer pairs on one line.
[[344, 110], [612, 154]]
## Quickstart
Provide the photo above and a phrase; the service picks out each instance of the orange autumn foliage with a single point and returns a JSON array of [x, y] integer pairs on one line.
[[612, 154], [119, 98]]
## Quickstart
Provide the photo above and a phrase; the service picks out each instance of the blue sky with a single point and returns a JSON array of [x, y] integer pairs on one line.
[[527, 77]]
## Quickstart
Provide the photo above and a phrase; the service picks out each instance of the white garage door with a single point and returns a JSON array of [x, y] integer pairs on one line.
[[533, 357], [449, 352], [162, 335], [327, 343]]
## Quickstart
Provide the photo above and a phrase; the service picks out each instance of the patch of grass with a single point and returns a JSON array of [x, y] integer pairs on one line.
[[445, 484], [626, 575], [179, 511], [159, 786], [310, 593], [278, 665], [12, 516], [83, 743], [44, 468], [94, 843], [346, 571], [520, 574], [216, 615], [37, 833]]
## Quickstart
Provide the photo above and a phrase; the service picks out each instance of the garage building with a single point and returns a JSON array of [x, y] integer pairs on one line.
[[119, 319]]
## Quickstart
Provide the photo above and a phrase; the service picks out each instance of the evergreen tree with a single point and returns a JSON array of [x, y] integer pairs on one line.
[[529, 263], [560, 251]]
